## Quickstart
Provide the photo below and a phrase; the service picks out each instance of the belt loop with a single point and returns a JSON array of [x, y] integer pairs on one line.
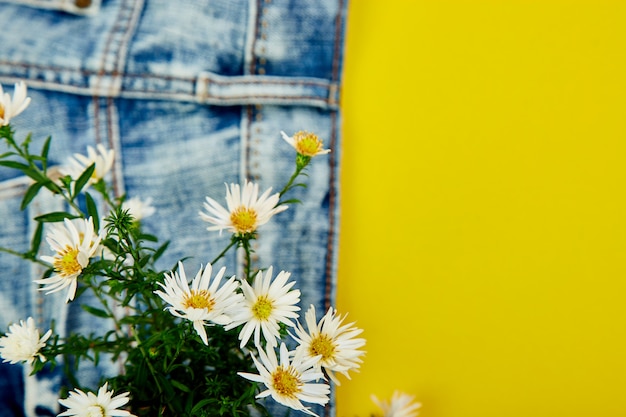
[[333, 94], [202, 86]]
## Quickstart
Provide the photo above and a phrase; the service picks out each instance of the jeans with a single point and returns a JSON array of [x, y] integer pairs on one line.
[[190, 95]]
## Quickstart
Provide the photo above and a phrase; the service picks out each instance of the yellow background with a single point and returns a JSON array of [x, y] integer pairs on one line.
[[483, 233]]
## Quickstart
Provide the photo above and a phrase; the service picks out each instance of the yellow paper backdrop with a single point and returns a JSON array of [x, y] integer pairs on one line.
[[483, 230]]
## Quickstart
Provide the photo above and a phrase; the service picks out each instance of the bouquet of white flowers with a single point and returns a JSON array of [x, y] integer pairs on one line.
[[209, 345]]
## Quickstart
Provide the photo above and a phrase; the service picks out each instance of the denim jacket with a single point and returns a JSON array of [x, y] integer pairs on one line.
[[191, 95]]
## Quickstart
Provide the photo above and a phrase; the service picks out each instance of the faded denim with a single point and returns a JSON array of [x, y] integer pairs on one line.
[[191, 95]]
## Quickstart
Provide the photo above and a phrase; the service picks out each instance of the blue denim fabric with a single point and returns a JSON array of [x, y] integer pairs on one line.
[[191, 95]]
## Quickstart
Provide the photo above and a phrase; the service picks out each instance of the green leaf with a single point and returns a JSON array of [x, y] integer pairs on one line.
[[148, 237], [84, 179], [56, 216], [157, 254], [167, 387], [79, 290], [291, 201], [92, 210], [15, 165], [201, 404], [26, 143], [180, 386], [95, 311], [44, 153], [22, 167], [31, 192], [36, 241], [4, 155], [66, 181], [52, 186], [144, 261]]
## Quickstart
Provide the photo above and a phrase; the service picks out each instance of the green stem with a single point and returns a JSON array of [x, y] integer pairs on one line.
[[248, 264], [289, 184], [100, 296], [25, 256], [232, 243], [146, 359]]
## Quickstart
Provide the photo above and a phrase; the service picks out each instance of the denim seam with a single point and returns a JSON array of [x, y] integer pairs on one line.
[[252, 63], [330, 253], [239, 79], [193, 88], [104, 108], [133, 22], [332, 195], [113, 135], [113, 59], [255, 111], [240, 99], [246, 116]]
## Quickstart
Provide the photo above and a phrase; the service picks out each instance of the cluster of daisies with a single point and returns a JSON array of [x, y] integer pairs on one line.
[[259, 308]]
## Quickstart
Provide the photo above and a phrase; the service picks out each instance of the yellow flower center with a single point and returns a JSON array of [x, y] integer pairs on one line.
[[1, 111], [307, 144], [66, 264], [244, 219], [199, 299], [95, 411], [322, 345], [262, 309], [286, 381]]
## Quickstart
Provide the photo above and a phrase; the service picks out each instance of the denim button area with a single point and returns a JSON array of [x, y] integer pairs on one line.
[[82, 4]]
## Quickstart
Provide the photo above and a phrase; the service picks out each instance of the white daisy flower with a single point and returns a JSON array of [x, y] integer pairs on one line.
[[10, 108], [205, 302], [74, 246], [335, 344], [401, 405], [102, 157], [246, 209], [80, 404], [22, 343], [267, 304], [82, 227], [288, 382], [306, 143], [138, 208]]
